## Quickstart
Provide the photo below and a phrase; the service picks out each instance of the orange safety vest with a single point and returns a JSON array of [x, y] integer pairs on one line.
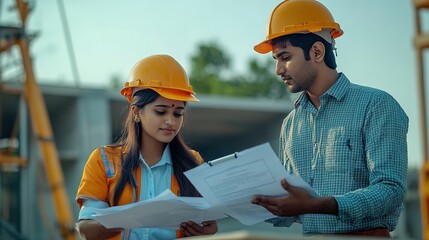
[[101, 174]]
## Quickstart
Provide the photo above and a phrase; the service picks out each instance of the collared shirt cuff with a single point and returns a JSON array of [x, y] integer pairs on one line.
[[282, 221], [343, 215], [88, 208]]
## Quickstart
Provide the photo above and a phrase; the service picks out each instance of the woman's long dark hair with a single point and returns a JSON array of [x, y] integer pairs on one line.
[[131, 140]]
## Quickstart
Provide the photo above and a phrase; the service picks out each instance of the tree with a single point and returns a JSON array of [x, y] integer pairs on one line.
[[208, 65], [116, 82], [211, 74], [266, 82]]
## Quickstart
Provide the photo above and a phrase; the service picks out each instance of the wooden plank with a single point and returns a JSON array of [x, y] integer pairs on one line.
[[7, 159], [422, 41], [421, 3]]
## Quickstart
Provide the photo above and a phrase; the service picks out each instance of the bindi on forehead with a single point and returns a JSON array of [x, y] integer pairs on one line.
[[172, 105]]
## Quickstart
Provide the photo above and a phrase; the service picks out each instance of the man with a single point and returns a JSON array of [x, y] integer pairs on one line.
[[347, 141]]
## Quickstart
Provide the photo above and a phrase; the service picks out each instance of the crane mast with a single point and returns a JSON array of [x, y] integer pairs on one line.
[[421, 43], [16, 36]]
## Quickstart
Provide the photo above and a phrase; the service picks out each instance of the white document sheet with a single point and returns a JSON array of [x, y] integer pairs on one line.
[[227, 186], [164, 211], [229, 183]]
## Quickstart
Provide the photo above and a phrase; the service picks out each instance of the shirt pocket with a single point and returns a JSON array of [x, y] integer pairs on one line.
[[338, 155]]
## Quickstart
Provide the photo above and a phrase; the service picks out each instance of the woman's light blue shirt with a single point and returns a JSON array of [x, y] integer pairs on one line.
[[154, 180]]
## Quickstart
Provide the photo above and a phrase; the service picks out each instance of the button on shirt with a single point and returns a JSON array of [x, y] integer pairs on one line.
[[352, 148], [154, 180]]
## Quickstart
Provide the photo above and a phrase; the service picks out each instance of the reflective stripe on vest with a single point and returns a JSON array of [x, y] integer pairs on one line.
[[108, 166]]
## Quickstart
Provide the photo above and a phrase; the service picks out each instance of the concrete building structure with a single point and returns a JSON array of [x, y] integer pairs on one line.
[[83, 119]]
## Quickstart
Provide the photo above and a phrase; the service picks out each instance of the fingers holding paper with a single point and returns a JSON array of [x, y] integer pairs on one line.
[[191, 228]]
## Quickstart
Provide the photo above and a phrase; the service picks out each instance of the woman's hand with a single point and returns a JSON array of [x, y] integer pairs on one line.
[[92, 230], [194, 229]]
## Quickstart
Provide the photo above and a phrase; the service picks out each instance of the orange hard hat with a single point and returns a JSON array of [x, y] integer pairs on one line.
[[298, 16], [164, 75]]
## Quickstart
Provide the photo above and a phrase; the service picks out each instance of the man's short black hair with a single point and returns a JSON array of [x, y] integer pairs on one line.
[[305, 42]]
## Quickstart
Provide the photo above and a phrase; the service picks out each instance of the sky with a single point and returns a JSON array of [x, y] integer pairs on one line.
[[109, 37]]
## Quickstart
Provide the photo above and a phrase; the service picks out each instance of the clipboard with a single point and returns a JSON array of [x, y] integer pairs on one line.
[[222, 159], [230, 185]]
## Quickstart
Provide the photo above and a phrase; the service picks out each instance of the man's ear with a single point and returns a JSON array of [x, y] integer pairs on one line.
[[318, 51]]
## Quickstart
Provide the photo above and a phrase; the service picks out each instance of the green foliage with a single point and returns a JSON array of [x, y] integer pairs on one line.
[[116, 82], [211, 74]]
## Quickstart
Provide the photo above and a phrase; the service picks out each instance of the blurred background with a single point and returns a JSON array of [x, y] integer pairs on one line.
[[76, 56]]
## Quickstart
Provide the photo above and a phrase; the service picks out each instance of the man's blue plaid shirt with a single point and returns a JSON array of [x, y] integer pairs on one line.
[[353, 148]]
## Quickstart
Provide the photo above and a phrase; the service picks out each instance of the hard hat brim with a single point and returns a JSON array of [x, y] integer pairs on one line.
[[176, 94], [169, 93], [263, 47]]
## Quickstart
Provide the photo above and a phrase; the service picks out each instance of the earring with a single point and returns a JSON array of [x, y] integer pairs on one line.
[[136, 119]]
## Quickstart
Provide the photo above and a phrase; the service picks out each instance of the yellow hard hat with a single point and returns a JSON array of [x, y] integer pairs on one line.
[[298, 16], [164, 75]]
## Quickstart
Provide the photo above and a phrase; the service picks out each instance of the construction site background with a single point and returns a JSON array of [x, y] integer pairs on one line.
[[47, 133]]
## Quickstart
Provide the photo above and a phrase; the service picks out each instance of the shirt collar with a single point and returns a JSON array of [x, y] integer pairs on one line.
[[337, 91], [165, 158]]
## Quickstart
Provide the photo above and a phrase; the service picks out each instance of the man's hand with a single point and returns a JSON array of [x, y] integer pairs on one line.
[[193, 229], [297, 201]]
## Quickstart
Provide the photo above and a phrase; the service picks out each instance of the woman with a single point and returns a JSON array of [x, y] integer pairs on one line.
[[149, 158]]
